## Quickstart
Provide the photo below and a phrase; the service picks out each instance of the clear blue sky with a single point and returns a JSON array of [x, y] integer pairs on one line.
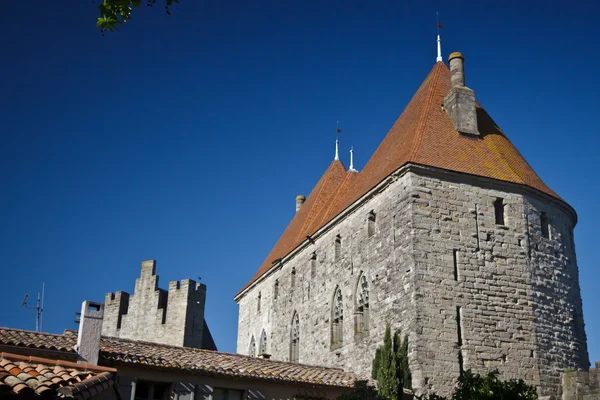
[[185, 139]]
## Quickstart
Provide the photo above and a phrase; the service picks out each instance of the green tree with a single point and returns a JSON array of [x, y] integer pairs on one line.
[[117, 12], [361, 391], [489, 387], [390, 366]]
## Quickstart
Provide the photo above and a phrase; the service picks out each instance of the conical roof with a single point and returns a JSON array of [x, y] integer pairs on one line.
[[424, 134]]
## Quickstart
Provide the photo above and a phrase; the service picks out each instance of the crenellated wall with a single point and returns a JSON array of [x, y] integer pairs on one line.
[[174, 316]]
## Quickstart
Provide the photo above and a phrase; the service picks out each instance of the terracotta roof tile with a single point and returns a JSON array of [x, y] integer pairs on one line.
[[16, 382], [37, 340], [208, 362], [153, 355], [306, 218], [424, 134]]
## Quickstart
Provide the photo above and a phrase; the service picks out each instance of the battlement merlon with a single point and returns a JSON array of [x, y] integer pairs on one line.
[[188, 285]]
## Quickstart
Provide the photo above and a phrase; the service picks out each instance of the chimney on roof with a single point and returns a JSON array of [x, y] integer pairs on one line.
[[299, 201], [90, 332], [460, 103]]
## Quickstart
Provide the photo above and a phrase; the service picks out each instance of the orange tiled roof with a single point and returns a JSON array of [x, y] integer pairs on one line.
[[31, 377], [114, 351], [208, 362], [424, 134], [37, 340]]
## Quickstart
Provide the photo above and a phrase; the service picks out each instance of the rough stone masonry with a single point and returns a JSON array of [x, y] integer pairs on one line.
[[480, 274]]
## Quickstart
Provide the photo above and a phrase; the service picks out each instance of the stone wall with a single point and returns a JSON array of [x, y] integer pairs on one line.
[[470, 293], [582, 385], [174, 316]]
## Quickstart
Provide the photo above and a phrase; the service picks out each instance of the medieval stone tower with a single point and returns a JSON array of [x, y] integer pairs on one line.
[[448, 234], [174, 317]]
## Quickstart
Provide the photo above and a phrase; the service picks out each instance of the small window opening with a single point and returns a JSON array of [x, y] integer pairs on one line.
[[545, 223], [293, 277], [455, 262], [371, 223], [276, 289], [252, 347], [258, 302], [337, 319], [499, 211], [295, 339], [458, 326], [362, 306], [313, 265], [262, 347], [308, 291], [338, 247]]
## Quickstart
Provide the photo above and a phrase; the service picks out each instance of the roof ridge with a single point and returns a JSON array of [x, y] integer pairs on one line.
[[425, 113], [29, 331]]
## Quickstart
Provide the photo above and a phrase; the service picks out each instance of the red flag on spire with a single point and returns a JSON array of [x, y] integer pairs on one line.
[[439, 25]]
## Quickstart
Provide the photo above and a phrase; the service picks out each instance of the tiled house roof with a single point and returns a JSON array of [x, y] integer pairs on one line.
[[37, 340], [32, 377], [115, 352], [424, 134], [207, 362]]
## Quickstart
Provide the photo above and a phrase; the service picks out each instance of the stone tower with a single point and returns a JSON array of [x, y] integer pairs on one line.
[[449, 235], [174, 316]]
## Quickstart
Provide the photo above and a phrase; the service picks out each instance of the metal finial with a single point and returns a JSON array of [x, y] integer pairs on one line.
[[337, 141], [352, 160], [439, 42]]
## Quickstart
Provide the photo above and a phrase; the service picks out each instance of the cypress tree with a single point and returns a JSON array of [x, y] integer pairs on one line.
[[387, 380], [390, 366]]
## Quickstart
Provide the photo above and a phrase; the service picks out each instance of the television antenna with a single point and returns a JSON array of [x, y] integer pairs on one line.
[[39, 308]]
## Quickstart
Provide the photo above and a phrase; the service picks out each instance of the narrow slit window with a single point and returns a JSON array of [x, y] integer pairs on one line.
[[545, 223], [252, 347], [258, 302], [276, 289], [293, 277], [313, 265], [455, 263], [499, 211], [338, 247], [459, 333], [371, 223]]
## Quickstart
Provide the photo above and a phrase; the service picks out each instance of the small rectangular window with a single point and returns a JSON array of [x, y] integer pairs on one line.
[[499, 211], [313, 265], [545, 223], [258, 303], [338, 247], [276, 289], [371, 223]]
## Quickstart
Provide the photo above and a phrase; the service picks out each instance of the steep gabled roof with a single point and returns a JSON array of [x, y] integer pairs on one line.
[[424, 134], [306, 218]]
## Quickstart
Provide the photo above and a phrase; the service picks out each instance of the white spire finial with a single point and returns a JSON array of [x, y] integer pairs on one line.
[[439, 42], [337, 141], [352, 159]]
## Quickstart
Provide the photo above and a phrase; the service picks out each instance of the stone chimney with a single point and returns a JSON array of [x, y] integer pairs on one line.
[[459, 103], [299, 201], [90, 332]]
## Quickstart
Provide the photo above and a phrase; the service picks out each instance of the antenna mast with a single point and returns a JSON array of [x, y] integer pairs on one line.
[[39, 308]]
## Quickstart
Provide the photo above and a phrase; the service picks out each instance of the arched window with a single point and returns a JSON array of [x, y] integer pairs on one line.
[[337, 319], [295, 339], [361, 317], [262, 347], [252, 347]]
